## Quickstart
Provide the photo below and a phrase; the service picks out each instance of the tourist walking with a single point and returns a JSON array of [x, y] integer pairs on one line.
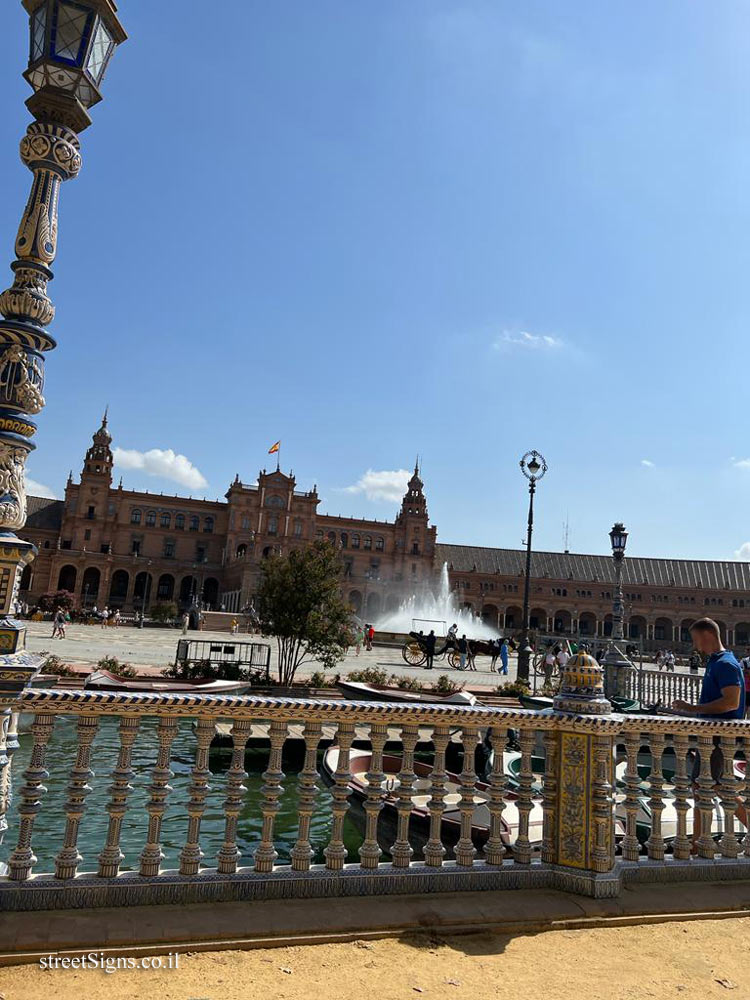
[[234, 626], [429, 648], [550, 658], [105, 617], [185, 622], [58, 624], [369, 637], [463, 646], [669, 660], [562, 658], [504, 657], [722, 697]]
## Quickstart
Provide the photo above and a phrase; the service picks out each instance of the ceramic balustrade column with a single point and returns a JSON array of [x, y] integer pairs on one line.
[[369, 852], [704, 805], [631, 847], [159, 789], [266, 854], [522, 846], [69, 857], [434, 851], [655, 842], [191, 854], [603, 843], [494, 849], [335, 852], [22, 859], [729, 789], [682, 843], [465, 850], [111, 856], [401, 852], [302, 853], [229, 855]]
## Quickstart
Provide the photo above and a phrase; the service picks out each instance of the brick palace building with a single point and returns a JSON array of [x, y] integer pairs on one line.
[[129, 549]]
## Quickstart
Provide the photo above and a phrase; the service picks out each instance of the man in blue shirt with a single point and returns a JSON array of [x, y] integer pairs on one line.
[[722, 697], [723, 690]]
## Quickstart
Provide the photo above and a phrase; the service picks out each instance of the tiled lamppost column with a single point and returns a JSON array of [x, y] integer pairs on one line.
[[533, 467], [617, 667], [71, 44]]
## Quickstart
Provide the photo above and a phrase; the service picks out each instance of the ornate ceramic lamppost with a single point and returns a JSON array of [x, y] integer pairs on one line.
[[533, 467], [71, 45], [616, 664]]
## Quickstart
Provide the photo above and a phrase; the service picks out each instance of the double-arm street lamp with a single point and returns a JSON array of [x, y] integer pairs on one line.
[[71, 45], [533, 466]]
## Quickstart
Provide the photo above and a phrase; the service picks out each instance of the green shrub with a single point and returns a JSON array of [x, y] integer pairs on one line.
[[406, 683], [165, 611], [444, 685], [512, 689], [54, 665], [318, 679], [370, 675], [112, 664]]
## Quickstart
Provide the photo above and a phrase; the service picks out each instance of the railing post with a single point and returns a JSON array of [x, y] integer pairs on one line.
[[582, 852], [16, 671]]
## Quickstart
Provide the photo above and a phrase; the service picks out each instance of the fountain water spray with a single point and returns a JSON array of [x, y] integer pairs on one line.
[[428, 607]]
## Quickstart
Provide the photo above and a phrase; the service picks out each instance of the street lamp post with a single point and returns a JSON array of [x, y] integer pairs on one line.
[[71, 45], [616, 664], [533, 466]]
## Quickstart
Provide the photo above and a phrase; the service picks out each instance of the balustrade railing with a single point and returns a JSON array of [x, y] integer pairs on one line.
[[662, 687], [443, 797]]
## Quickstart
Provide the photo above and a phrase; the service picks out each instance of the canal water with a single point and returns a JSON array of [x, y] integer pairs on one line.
[[50, 822]]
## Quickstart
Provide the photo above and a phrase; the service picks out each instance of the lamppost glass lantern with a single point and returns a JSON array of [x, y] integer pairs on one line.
[[72, 42], [618, 536]]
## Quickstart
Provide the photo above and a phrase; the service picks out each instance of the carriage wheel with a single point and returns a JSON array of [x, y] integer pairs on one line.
[[413, 653], [454, 660]]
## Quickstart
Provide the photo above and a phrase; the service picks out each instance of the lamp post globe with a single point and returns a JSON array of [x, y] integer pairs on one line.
[[533, 466]]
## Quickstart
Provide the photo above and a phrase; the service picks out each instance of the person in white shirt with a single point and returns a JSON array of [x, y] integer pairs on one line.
[[562, 658]]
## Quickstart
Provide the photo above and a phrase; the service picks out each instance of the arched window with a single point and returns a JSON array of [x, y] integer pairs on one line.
[[368, 542], [135, 516], [208, 525], [298, 529], [380, 544], [165, 587], [179, 522], [274, 501], [195, 522], [165, 520], [273, 524], [344, 540], [151, 518], [332, 537], [241, 551], [355, 541]]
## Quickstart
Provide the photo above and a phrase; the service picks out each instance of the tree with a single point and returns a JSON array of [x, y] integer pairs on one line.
[[165, 611], [59, 599], [300, 603]]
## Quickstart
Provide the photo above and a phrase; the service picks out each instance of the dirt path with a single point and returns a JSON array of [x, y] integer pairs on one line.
[[690, 960]]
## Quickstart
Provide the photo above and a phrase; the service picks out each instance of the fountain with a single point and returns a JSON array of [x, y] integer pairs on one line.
[[428, 610]]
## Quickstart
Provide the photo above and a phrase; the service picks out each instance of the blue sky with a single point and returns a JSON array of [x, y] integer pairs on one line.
[[463, 229]]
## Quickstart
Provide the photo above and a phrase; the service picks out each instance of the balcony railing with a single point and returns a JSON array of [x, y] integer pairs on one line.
[[662, 687], [584, 802]]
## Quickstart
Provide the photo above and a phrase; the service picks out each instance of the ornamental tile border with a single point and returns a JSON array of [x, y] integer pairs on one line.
[[131, 889]]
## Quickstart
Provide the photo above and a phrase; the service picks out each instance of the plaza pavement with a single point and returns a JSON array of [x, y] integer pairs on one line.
[[150, 650]]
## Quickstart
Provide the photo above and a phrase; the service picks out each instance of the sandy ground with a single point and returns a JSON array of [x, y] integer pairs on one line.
[[689, 960]]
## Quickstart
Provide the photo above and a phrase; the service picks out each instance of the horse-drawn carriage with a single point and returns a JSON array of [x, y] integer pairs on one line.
[[414, 651]]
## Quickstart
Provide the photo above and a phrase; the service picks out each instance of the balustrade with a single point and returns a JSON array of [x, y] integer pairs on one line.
[[662, 687], [611, 797]]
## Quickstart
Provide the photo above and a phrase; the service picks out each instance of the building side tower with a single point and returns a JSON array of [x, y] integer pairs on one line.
[[98, 463], [415, 538], [87, 521]]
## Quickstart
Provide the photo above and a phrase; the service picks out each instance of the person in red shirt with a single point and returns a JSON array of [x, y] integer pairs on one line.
[[370, 635]]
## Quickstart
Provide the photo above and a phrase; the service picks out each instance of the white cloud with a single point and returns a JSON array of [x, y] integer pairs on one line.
[[510, 340], [647, 462], [741, 463], [743, 552], [387, 486], [35, 489], [164, 463]]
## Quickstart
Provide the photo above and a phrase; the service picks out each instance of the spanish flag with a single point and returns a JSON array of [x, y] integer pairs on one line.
[[274, 448]]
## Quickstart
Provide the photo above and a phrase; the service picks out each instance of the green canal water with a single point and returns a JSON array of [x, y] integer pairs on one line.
[[50, 822]]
